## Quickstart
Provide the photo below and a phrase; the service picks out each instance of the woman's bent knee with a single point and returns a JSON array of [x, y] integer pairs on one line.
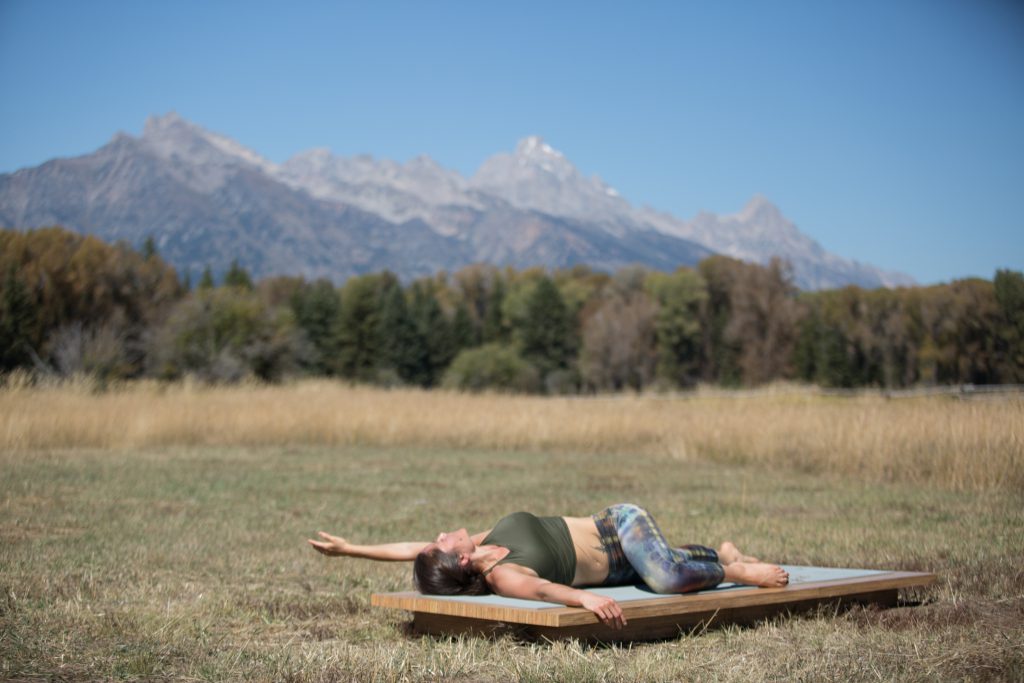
[[661, 584]]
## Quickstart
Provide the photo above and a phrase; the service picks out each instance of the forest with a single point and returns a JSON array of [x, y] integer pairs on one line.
[[74, 305]]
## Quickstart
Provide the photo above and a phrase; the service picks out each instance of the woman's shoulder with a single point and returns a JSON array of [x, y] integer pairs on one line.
[[506, 569]]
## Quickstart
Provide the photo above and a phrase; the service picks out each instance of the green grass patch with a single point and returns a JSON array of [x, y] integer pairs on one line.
[[191, 563]]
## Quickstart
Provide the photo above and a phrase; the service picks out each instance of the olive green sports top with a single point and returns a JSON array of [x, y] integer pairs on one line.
[[541, 543]]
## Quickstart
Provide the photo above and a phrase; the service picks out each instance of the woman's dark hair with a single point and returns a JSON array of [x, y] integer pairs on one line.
[[439, 573]]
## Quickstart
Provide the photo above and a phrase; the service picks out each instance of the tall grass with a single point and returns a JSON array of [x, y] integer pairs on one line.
[[940, 441]]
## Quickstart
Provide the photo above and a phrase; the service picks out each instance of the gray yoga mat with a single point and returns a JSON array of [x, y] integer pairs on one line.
[[626, 593]]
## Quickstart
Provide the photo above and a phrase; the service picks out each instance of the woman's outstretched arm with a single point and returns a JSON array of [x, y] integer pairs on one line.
[[508, 582], [336, 546]]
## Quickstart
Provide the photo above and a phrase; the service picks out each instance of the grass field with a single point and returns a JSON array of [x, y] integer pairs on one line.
[[966, 445], [134, 556]]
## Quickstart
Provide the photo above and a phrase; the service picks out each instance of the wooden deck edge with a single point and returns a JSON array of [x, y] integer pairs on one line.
[[420, 604], [652, 628], [656, 607]]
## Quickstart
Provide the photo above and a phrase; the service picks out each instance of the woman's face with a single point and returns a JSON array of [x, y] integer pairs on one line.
[[457, 542]]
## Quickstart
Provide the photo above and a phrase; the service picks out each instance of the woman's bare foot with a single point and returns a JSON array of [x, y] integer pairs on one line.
[[729, 553], [756, 574]]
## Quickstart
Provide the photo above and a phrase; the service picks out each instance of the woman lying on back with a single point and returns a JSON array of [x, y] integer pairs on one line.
[[548, 558]]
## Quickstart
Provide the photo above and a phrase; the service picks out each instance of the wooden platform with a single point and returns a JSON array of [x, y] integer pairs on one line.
[[649, 615]]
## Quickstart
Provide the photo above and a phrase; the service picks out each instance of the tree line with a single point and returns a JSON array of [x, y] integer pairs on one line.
[[73, 304]]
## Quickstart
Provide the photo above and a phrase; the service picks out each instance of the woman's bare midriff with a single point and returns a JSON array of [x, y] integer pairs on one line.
[[591, 558]]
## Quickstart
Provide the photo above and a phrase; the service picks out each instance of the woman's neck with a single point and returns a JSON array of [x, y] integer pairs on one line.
[[487, 556]]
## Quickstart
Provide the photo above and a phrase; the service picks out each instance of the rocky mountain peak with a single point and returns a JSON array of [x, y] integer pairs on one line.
[[760, 209], [540, 178], [157, 125], [171, 136], [535, 147], [535, 154]]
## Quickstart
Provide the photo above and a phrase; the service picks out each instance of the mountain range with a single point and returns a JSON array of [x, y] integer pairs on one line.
[[207, 200]]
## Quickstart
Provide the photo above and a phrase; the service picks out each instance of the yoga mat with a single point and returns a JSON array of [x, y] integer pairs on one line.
[[797, 575]]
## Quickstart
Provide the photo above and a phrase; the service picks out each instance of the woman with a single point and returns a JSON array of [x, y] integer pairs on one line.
[[548, 558]]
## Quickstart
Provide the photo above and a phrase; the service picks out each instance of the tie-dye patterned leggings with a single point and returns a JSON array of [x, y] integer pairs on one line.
[[637, 551]]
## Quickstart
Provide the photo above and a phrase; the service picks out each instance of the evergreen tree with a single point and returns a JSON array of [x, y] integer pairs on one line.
[[17, 318], [494, 328], [317, 308], [464, 333], [435, 333], [401, 347], [805, 349], [835, 367], [822, 352], [149, 248], [357, 332], [237, 276], [680, 297], [545, 335], [206, 281]]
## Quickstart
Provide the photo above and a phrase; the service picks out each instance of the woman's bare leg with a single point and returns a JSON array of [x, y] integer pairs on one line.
[[756, 574], [729, 553]]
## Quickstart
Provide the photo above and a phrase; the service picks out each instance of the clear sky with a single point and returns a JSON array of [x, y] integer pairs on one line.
[[890, 131]]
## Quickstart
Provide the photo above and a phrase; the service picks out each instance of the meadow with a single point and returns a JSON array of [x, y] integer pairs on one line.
[[158, 531]]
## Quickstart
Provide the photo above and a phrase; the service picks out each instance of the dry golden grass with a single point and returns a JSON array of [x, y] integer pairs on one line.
[[942, 441], [191, 564]]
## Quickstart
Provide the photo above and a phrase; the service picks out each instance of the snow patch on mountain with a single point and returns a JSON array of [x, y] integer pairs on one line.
[[538, 177]]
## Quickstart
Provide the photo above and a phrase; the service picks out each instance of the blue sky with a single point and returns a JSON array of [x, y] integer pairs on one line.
[[891, 132]]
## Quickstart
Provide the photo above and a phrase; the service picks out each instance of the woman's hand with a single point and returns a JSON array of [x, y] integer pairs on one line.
[[606, 609], [330, 545]]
